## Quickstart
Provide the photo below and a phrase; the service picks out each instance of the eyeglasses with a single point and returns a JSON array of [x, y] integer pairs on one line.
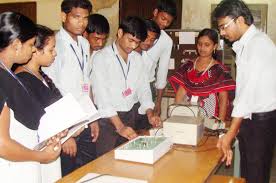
[[223, 27]]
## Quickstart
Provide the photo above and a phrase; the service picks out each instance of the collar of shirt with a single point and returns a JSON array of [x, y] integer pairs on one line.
[[238, 45], [116, 51], [80, 47], [93, 54], [66, 37]]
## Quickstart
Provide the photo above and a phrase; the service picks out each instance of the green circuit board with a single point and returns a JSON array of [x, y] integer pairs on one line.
[[143, 143]]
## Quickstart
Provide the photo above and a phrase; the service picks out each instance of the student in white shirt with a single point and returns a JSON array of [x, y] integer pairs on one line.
[[118, 84], [69, 72], [160, 53], [254, 113], [153, 33], [96, 33]]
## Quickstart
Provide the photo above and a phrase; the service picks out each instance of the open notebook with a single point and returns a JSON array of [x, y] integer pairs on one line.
[[66, 113], [104, 178]]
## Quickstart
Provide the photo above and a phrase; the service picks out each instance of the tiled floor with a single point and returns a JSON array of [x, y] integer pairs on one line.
[[229, 170]]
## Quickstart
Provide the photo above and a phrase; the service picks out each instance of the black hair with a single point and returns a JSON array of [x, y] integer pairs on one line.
[[15, 26], [153, 27], [43, 34], [134, 26], [167, 6], [212, 34], [67, 5], [233, 9], [97, 24]]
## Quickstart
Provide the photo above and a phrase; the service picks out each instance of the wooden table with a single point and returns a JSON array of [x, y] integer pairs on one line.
[[181, 164], [225, 179]]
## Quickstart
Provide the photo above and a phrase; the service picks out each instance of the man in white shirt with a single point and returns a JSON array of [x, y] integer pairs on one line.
[[153, 33], [96, 33], [69, 72], [160, 53], [254, 113], [118, 84]]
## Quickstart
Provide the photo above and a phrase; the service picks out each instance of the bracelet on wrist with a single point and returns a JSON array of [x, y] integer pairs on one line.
[[120, 129]]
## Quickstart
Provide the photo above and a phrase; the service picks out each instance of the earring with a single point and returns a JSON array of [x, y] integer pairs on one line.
[[214, 51]]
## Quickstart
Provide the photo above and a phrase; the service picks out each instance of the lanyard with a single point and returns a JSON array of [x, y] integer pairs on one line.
[[125, 74], [43, 80], [81, 64], [14, 76]]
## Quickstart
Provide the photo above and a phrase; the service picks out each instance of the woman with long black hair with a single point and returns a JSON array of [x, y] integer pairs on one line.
[[19, 112]]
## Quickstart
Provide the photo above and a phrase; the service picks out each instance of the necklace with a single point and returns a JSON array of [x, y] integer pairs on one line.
[[206, 69]]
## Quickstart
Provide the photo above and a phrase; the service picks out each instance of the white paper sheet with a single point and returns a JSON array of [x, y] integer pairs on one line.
[[78, 126], [172, 64], [98, 178], [187, 37], [194, 100], [66, 113]]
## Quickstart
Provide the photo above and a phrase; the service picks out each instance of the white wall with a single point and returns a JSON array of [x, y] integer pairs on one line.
[[196, 14]]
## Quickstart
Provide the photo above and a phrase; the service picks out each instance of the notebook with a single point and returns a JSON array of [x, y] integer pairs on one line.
[[66, 113], [105, 178]]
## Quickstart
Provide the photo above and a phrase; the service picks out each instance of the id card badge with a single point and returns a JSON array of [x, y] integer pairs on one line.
[[194, 100], [85, 88], [127, 92]]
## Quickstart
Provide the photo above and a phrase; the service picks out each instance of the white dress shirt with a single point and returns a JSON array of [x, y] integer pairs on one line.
[[108, 82], [91, 63], [256, 81], [161, 52], [66, 71]]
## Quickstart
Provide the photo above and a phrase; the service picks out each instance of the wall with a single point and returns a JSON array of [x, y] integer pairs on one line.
[[110, 9], [48, 12], [195, 15]]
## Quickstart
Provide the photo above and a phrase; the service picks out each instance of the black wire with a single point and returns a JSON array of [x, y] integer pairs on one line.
[[217, 132], [193, 150], [184, 149], [179, 105], [157, 131], [93, 178], [204, 110], [207, 133], [201, 144]]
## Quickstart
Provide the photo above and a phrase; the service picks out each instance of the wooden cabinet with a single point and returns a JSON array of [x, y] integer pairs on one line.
[[144, 9], [26, 8]]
